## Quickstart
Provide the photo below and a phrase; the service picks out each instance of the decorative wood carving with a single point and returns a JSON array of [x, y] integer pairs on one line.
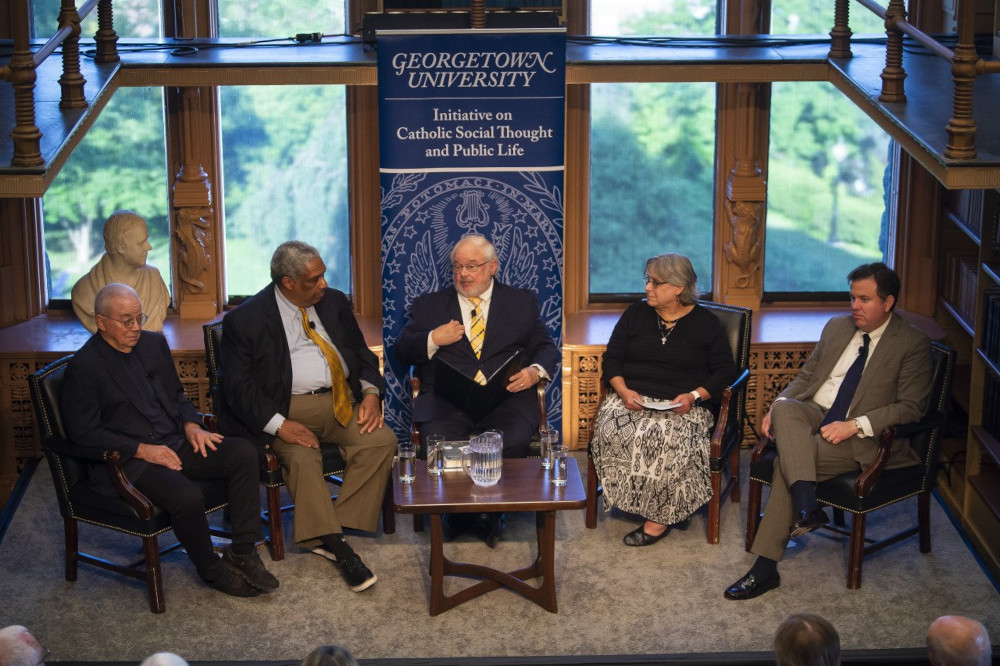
[[744, 249], [194, 240]]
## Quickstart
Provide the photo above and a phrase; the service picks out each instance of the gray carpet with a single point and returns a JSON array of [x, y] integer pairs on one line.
[[664, 599]]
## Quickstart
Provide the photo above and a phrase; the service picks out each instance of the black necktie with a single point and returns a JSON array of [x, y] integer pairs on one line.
[[838, 410]]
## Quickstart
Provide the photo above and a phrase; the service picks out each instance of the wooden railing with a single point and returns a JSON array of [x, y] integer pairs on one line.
[[966, 64], [20, 72]]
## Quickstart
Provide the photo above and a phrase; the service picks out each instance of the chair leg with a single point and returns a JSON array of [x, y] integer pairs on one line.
[[154, 577], [276, 542], [734, 470], [754, 490], [924, 520], [388, 511], [714, 505], [591, 511], [857, 548], [72, 547]]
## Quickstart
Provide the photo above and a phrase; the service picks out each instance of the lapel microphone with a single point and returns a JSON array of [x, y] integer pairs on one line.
[[312, 325], [473, 313]]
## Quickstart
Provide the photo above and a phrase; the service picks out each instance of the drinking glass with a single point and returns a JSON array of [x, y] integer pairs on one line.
[[435, 454], [407, 455], [557, 470], [547, 437]]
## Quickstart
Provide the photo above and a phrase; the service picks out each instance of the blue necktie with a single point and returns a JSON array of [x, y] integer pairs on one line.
[[838, 410]]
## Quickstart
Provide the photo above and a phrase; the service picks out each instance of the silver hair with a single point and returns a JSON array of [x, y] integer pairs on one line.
[[110, 292], [116, 225], [675, 269], [290, 259], [480, 243]]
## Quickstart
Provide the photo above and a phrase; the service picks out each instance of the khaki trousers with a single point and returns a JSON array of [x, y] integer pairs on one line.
[[368, 457], [803, 455]]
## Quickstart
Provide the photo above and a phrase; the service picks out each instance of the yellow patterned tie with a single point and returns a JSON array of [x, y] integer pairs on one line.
[[477, 331], [341, 393]]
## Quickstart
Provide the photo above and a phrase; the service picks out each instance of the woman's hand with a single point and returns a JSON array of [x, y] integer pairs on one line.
[[685, 403], [631, 399]]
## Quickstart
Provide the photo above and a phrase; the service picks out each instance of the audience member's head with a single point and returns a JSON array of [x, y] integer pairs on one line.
[[329, 655], [164, 659], [953, 640], [19, 648], [805, 639]]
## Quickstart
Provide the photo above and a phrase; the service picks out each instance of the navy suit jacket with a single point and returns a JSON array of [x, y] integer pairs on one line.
[[98, 400], [256, 367], [514, 324]]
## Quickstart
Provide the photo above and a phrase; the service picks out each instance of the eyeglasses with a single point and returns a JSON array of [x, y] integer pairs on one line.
[[468, 268], [648, 280], [131, 321]]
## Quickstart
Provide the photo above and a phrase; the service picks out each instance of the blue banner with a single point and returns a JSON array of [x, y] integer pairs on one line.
[[471, 141]]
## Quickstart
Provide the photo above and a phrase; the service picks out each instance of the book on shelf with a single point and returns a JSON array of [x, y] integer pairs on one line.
[[989, 341]]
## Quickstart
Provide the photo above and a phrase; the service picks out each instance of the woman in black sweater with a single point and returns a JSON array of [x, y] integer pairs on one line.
[[666, 349]]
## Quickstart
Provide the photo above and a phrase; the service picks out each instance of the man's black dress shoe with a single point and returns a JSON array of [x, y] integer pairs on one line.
[[490, 527], [749, 587], [809, 521]]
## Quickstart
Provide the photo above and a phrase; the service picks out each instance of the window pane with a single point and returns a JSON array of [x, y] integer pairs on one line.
[[132, 18], [827, 179], [652, 17], [121, 163], [651, 180], [808, 17], [284, 180], [267, 18]]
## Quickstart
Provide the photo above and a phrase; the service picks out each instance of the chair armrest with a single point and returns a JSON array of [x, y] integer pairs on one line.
[[210, 421], [543, 410], [760, 448], [603, 388], [727, 410], [868, 478], [135, 499], [414, 393]]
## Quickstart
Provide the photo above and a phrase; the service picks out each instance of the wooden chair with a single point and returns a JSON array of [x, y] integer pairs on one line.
[[864, 491], [129, 512], [728, 431], [270, 471]]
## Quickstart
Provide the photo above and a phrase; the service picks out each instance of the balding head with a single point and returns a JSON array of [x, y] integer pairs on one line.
[[953, 640], [19, 648], [164, 659]]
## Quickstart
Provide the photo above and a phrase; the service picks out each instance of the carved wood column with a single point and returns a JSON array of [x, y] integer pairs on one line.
[[742, 116], [194, 165]]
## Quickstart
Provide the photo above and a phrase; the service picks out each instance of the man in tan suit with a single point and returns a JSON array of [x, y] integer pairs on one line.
[[869, 370]]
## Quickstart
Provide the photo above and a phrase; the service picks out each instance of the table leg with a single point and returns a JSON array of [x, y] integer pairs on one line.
[[543, 567]]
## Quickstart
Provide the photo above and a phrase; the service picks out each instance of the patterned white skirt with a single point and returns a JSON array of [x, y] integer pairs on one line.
[[652, 463]]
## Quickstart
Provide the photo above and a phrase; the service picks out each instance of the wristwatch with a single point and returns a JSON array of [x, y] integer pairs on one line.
[[857, 424], [697, 398]]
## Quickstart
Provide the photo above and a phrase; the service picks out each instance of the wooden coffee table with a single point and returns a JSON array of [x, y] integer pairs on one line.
[[523, 486]]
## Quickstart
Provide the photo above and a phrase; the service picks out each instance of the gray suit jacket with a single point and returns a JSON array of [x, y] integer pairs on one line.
[[894, 388]]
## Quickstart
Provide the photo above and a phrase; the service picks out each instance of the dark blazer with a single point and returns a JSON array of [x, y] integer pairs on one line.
[[256, 367], [98, 400], [894, 388], [514, 324]]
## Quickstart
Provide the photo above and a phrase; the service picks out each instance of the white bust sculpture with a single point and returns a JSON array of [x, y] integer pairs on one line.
[[126, 243]]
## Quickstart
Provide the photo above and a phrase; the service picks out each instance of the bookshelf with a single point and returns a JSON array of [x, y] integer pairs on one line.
[[969, 480]]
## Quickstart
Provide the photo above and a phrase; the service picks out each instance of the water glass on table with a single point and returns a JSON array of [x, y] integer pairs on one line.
[[557, 469], [547, 436], [435, 454], [406, 461]]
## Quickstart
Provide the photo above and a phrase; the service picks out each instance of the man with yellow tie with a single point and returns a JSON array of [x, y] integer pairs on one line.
[[475, 326], [297, 374]]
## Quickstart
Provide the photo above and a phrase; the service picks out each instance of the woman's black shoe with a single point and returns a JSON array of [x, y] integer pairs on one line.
[[638, 537]]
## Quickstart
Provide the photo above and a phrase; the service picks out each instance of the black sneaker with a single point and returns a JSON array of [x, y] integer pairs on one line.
[[252, 568], [357, 575], [232, 582]]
